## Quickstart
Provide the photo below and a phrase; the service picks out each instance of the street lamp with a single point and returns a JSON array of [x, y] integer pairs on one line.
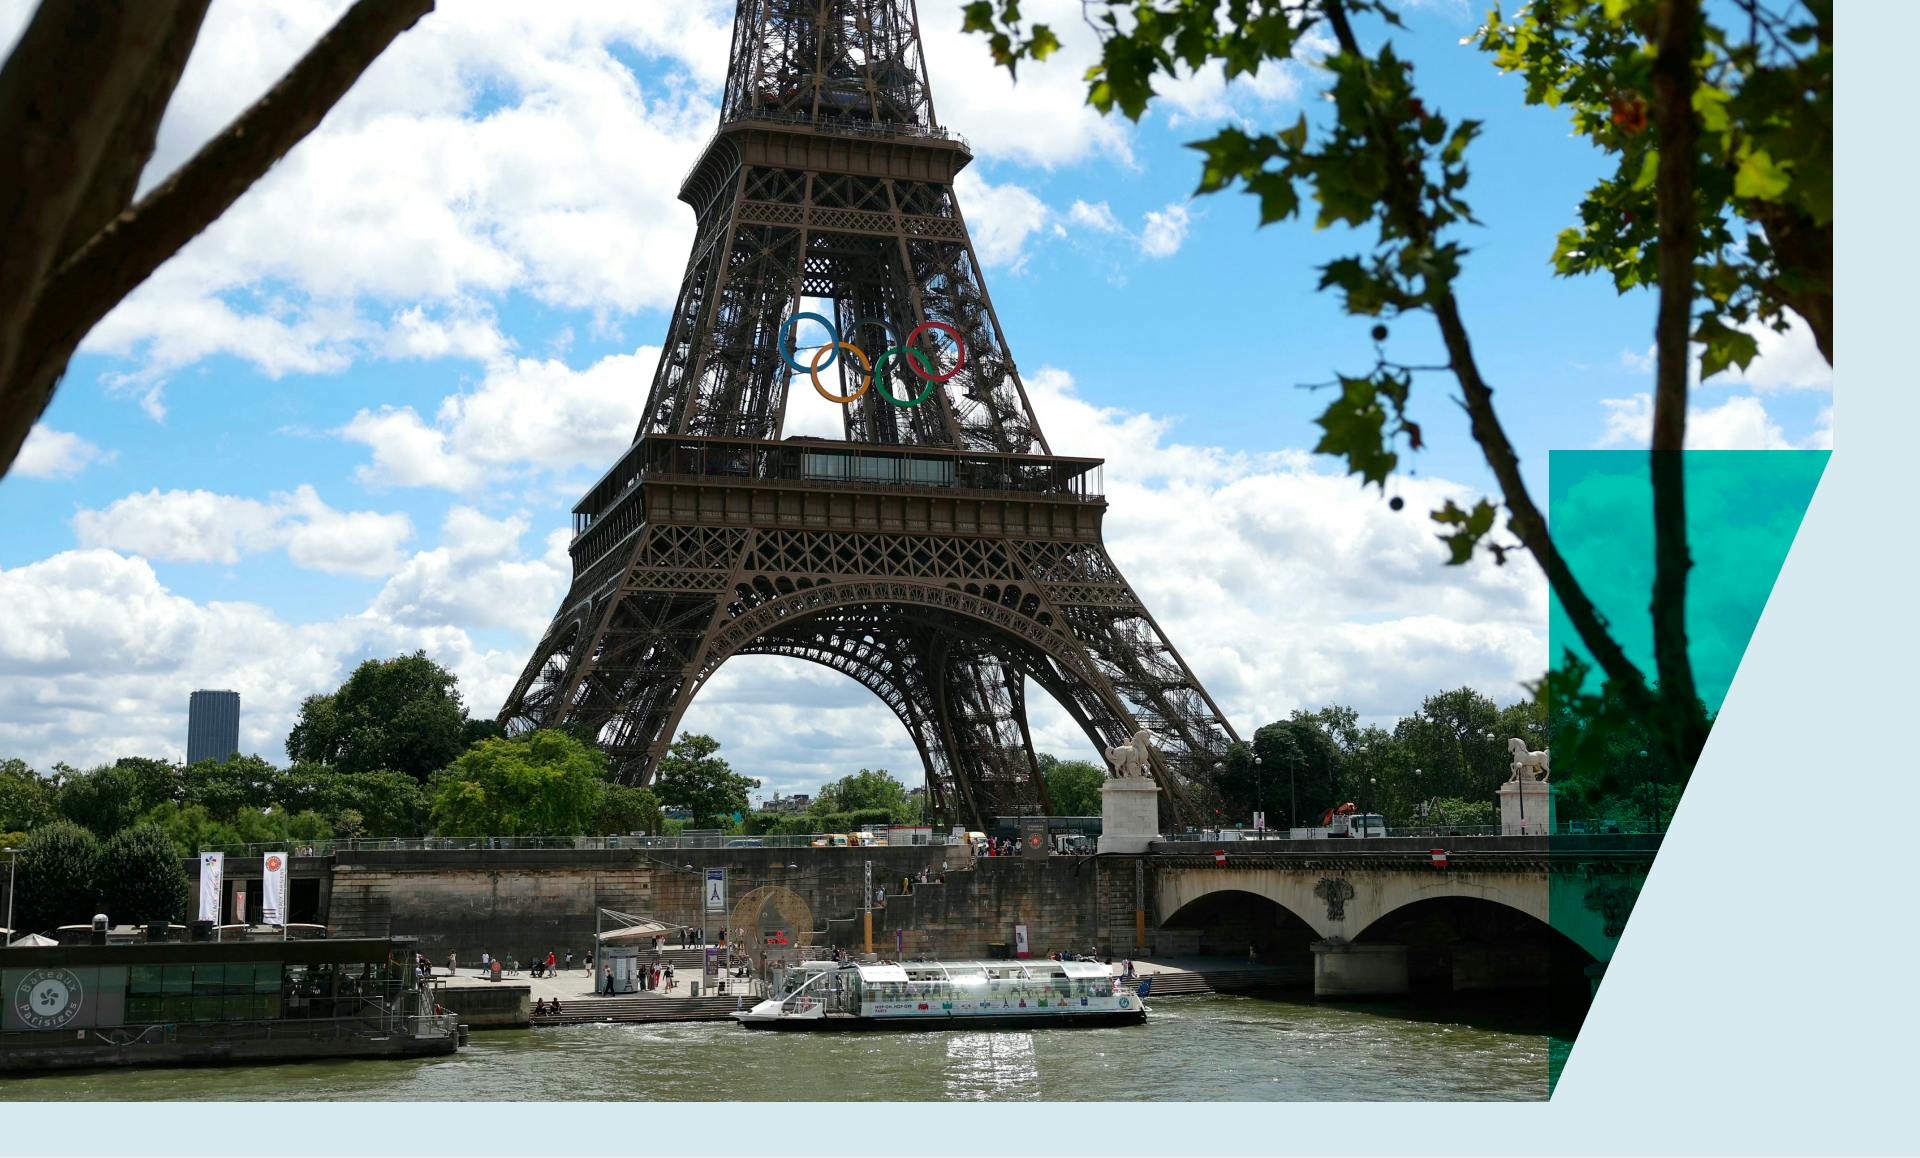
[[1372, 785], [13, 861], [1260, 779]]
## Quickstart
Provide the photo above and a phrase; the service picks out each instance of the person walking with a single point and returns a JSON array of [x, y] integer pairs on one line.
[[569, 959], [609, 981], [549, 962], [453, 964]]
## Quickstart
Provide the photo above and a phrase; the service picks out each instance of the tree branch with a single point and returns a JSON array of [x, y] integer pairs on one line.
[[126, 252], [63, 91], [1525, 518], [127, 154], [1678, 140]]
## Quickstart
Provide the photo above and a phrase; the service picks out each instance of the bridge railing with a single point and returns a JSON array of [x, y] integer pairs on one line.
[[519, 843]]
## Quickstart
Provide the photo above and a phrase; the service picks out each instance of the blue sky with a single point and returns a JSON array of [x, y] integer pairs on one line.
[[350, 419]]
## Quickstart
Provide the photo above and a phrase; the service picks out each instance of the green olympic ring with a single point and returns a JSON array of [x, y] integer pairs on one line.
[[917, 362]]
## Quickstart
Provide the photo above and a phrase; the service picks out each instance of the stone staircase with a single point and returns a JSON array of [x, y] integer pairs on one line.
[[1181, 983], [638, 1007]]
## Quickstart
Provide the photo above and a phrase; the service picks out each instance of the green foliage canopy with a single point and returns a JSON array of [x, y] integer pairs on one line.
[[868, 790], [1073, 786], [57, 877], [141, 879], [545, 783], [694, 777], [402, 714]]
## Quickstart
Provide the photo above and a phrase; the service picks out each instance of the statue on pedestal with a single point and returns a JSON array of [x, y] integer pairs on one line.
[[1532, 764], [1133, 759]]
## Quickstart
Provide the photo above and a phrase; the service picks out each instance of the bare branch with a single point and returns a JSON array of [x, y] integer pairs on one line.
[[1673, 84], [127, 153], [127, 251], [63, 91], [1525, 519]]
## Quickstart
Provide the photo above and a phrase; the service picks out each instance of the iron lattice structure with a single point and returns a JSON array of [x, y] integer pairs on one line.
[[941, 555]]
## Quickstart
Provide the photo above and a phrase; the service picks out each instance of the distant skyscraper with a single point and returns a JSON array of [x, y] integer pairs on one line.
[[213, 725]]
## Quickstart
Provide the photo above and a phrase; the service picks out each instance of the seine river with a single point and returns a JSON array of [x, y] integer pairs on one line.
[[1202, 1049]]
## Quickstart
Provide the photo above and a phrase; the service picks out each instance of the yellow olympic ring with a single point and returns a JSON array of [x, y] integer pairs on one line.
[[813, 371]]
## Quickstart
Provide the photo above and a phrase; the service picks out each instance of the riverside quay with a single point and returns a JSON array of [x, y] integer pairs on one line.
[[208, 1002]]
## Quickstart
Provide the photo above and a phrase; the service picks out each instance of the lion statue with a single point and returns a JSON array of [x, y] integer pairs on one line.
[[1532, 764], [1134, 758]]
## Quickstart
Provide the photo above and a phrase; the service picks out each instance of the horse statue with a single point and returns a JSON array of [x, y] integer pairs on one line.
[[1533, 764], [1134, 758]]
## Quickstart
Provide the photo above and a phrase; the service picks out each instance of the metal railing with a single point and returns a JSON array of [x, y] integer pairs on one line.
[[550, 843]]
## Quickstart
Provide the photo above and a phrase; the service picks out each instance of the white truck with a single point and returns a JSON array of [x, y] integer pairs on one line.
[[1343, 823]]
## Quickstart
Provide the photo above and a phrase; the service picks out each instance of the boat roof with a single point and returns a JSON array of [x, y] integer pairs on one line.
[[888, 971]]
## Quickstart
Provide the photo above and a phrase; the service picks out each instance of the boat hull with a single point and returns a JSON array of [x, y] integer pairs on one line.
[[851, 1024]]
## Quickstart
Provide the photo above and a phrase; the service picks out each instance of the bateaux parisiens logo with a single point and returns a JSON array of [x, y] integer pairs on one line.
[[48, 998], [916, 360]]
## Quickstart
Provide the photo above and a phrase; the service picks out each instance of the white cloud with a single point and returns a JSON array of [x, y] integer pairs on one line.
[[50, 453], [97, 658], [1000, 218], [475, 579], [1097, 217], [529, 414], [1165, 231], [1044, 119], [203, 527], [1739, 423], [496, 147], [1784, 361], [1207, 96]]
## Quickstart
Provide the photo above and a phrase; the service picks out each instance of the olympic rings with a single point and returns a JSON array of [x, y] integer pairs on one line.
[[923, 370], [918, 363], [813, 371]]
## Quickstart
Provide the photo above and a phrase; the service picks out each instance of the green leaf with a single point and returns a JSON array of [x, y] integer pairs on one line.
[[1469, 527], [1760, 178], [1354, 426], [1649, 170], [1723, 346]]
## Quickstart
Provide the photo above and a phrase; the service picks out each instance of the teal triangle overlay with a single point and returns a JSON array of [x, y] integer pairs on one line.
[[1744, 509]]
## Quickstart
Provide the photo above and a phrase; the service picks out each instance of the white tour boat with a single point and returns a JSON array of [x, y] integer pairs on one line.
[[936, 994]]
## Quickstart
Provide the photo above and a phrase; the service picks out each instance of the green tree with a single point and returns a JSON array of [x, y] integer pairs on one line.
[[226, 788], [867, 790], [140, 877], [1300, 772], [1073, 785], [545, 783], [103, 800], [694, 777], [381, 803], [623, 809], [402, 714], [27, 799], [192, 828], [58, 877], [1713, 120]]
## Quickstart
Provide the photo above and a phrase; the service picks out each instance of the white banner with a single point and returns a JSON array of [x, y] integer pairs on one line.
[[273, 889], [717, 890], [211, 864], [1020, 941]]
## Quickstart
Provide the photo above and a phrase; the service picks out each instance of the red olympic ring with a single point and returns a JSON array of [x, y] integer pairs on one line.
[[959, 345]]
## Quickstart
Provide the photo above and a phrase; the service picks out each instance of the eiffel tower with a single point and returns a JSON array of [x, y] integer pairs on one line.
[[941, 555]]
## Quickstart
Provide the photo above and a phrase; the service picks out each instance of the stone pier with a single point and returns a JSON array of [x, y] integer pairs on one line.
[[1344, 969]]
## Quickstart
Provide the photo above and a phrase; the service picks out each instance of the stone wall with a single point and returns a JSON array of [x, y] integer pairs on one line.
[[527, 902], [523, 903]]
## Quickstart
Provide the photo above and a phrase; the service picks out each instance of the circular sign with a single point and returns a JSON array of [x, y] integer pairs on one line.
[[273, 864], [1033, 841], [48, 998]]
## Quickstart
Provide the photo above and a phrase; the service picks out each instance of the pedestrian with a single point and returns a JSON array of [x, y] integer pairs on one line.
[[540, 1008], [1250, 957], [609, 981], [549, 962], [486, 961], [569, 959], [453, 964]]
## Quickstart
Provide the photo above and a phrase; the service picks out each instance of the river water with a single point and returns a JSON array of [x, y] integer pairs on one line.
[[1191, 1049]]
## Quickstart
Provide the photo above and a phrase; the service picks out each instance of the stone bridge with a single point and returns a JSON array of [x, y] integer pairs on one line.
[[1355, 917], [1501, 911]]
